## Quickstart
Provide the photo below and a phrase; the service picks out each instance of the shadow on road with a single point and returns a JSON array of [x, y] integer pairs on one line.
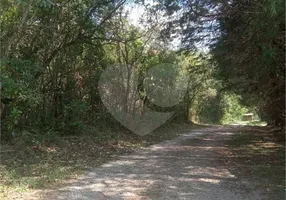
[[203, 164]]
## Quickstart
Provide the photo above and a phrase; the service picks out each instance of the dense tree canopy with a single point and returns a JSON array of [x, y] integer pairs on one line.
[[247, 43], [250, 55], [54, 52]]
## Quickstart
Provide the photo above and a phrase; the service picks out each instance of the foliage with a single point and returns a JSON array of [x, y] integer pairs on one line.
[[209, 109], [231, 108], [20, 91], [255, 67], [51, 59], [247, 43], [54, 52]]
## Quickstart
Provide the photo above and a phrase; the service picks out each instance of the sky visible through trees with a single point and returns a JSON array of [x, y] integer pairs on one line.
[[53, 54], [85, 80]]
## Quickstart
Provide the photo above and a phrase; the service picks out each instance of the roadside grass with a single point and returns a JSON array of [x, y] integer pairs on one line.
[[256, 123], [248, 123], [25, 168], [260, 155]]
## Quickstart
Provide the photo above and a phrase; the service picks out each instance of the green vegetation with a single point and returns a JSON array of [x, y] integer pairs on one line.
[[53, 53], [232, 109], [247, 43], [255, 66], [52, 56]]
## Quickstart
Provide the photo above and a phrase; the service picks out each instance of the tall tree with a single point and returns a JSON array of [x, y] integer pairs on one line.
[[247, 42]]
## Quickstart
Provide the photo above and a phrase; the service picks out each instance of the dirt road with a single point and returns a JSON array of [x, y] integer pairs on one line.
[[195, 166]]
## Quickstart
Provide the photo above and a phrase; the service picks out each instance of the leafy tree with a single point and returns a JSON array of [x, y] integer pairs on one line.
[[250, 55], [46, 47], [247, 43]]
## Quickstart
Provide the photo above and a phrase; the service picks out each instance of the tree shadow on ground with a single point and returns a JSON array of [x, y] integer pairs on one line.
[[207, 168]]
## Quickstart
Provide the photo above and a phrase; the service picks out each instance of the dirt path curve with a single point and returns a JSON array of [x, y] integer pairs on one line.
[[191, 167]]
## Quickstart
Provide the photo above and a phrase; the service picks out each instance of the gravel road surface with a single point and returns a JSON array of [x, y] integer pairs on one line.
[[190, 167]]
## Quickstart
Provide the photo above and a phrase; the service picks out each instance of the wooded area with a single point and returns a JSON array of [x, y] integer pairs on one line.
[[54, 52], [83, 81]]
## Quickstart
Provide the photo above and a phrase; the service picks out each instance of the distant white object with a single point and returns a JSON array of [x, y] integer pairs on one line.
[[247, 117]]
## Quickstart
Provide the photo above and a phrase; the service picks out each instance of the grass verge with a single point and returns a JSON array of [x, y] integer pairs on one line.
[[25, 168]]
